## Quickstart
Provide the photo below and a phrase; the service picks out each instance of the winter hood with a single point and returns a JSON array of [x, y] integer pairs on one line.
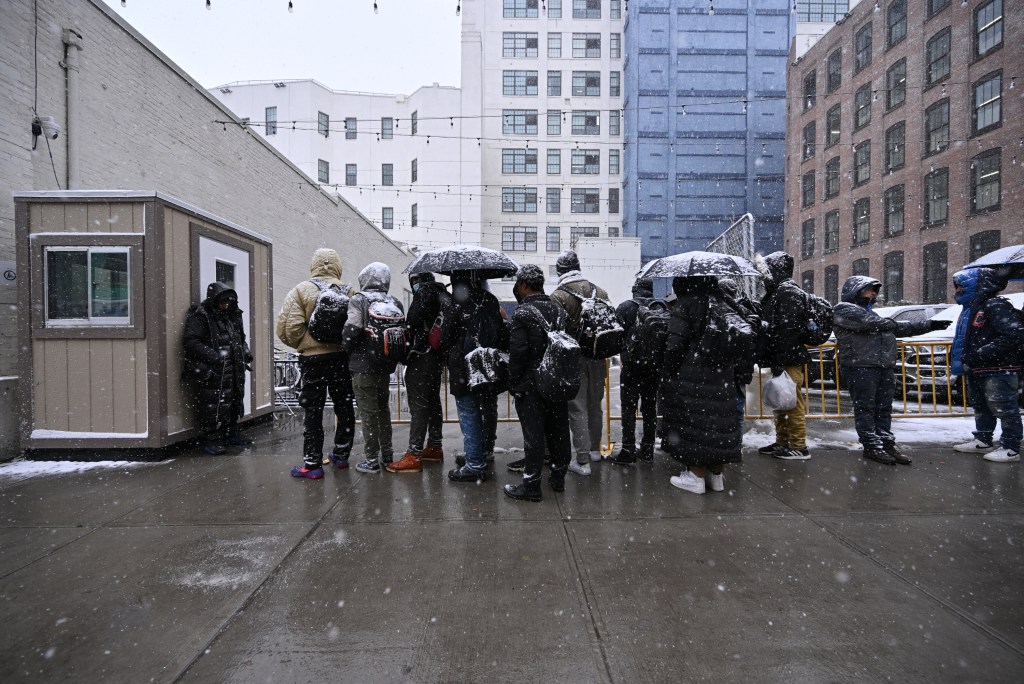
[[216, 290], [779, 267], [644, 287], [978, 284], [326, 264], [854, 285], [376, 277]]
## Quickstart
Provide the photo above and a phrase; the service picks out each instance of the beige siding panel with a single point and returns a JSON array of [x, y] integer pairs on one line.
[[125, 370], [99, 217], [141, 387], [120, 218], [78, 396], [55, 378], [178, 291], [76, 217], [102, 381], [138, 218], [35, 218], [51, 219]]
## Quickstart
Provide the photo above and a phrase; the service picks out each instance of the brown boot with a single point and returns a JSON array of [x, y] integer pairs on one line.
[[410, 463], [432, 452]]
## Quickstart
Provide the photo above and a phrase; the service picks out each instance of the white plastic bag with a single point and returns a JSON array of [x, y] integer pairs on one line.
[[779, 393]]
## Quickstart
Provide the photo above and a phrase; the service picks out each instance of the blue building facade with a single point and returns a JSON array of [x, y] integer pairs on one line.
[[705, 120]]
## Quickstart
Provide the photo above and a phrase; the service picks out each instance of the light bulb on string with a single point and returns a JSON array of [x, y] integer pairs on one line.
[[458, 9], [208, 5], [877, 8], [376, 10], [124, 3], [291, 7], [963, 3], [711, 9]]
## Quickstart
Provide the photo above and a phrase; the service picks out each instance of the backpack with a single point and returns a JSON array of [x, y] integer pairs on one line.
[[557, 377], [329, 314], [599, 334], [647, 337], [819, 321], [385, 332]]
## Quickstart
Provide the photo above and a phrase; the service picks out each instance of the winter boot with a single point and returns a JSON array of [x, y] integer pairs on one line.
[[467, 474], [897, 455], [556, 478], [529, 490], [432, 452], [878, 455], [410, 463], [647, 453], [626, 456]]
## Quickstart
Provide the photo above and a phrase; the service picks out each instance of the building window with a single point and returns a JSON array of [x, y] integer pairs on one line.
[[861, 267], [614, 117], [986, 181], [585, 201], [350, 128], [586, 83], [554, 239], [936, 127], [414, 171], [586, 45], [387, 218], [862, 221], [519, 121], [585, 162], [835, 70], [895, 146], [519, 238], [807, 190], [863, 44], [414, 215], [615, 45], [896, 84], [270, 121], [553, 200], [519, 200], [833, 126], [577, 232], [554, 9], [586, 9], [988, 27], [936, 197], [520, 9], [937, 57], [518, 161], [323, 124], [615, 11], [586, 122], [832, 178], [862, 163], [554, 122], [613, 201], [810, 133], [323, 171], [613, 162], [613, 231], [862, 107], [832, 284], [387, 174], [554, 45], [896, 15], [87, 286], [935, 5], [831, 232], [807, 281], [554, 161], [988, 101], [516, 44], [810, 90], [894, 211], [387, 128], [982, 243], [554, 83], [807, 239], [935, 267], [614, 83], [518, 82], [350, 174], [892, 277], [414, 122]]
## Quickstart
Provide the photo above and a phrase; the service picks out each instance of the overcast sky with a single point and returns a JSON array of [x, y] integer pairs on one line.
[[340, 43]]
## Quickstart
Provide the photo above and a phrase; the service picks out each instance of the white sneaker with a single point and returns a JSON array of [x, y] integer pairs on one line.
[[579, 468], [1002, 455], [688, 481], [975, 446], [595, 456], [716, 481]]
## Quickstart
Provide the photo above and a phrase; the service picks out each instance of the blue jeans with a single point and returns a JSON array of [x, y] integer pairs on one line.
[[471, 421], [995, 396]]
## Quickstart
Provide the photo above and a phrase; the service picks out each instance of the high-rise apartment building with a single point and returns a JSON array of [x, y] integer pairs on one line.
[[705, 116]]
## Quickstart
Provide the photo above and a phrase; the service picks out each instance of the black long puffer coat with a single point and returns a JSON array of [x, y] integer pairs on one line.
[[697, 394], [216, 355]]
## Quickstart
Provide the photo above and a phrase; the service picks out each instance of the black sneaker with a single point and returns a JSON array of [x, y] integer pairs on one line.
[[466, 474], [787, 454], [879, 456], [369, 466], [768, 450], [625, 457], [898, 456], [517, 466], [527, 491]]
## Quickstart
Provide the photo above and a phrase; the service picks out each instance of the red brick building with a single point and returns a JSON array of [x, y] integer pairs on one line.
[[905, 145]]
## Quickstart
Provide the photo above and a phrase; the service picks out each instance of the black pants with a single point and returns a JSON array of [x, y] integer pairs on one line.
[[323, 374], [638, 390], [423, 389], [872, 391], [489, 409], [543, 424]]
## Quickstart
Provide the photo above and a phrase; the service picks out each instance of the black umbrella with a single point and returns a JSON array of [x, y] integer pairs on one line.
[[698, 264], [487, 263]]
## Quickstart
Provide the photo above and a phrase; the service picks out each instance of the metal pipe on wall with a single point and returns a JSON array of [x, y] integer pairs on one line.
[[72, 48]]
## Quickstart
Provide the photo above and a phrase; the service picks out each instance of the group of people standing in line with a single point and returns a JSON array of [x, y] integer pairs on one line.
[[687, 359]]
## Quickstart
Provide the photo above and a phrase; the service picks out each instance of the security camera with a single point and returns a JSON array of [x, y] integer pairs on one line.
[[51, 129]]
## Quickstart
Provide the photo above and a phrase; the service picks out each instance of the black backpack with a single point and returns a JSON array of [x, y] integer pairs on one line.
[[329, 315], [557, 377], [385, 332], [647, 337], [819, 321], [599, 334]]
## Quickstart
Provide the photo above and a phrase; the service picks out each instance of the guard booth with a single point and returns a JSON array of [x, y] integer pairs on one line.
[[109, 277]]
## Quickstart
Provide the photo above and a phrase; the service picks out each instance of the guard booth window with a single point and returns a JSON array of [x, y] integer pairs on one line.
[[87, 286]]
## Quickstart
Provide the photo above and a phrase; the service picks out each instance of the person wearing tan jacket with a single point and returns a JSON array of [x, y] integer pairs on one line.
[[324, 367]]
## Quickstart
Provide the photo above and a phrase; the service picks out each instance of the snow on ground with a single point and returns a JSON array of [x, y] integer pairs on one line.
[[20, 467], [947, 431]]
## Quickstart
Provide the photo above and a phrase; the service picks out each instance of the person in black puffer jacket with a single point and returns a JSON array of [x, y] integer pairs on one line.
[[751, 313], [216, 358], [867, 354], [638, 388], [697, 396]]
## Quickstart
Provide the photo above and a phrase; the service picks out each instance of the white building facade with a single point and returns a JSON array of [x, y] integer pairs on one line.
[[399, 159]]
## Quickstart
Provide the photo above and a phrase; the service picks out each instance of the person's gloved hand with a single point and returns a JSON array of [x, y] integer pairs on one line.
[[939, 325], [777, 371]]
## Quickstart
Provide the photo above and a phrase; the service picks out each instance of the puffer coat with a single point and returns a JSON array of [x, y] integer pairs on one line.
[[865, 339], [293, 321], [784, 310], [989, 336], [216, 356], [374, 283]]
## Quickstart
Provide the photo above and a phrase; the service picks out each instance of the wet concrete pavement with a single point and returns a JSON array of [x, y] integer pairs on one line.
[[226, 569]]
